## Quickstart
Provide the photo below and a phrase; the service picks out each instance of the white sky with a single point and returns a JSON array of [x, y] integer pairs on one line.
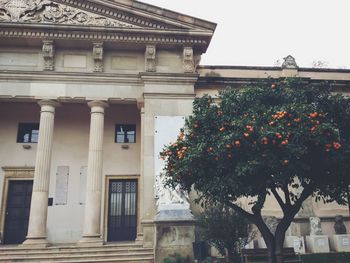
[[260, 32]]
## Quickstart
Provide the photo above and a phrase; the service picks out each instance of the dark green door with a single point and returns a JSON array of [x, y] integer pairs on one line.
[[122, 207], [17, 211]]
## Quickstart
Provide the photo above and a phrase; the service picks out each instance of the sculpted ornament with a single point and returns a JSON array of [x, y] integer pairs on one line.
[[167, 196], [45, 11], [339, 226], [289, 62], [315, 226], [48, 54], [150, 58], [98, 56], [188, 60]]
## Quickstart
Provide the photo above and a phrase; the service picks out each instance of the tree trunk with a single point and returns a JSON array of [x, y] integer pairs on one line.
[[279, 240]]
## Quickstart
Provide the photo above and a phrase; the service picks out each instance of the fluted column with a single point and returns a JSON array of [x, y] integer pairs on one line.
[[38, 209], [92, 219]]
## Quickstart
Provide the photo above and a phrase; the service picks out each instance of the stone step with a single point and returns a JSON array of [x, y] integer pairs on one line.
[[120, 253], [70, 246], [81, 250], [58, 257], [84, 260]]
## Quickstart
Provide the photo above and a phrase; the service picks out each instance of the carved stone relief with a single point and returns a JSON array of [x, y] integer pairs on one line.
[[98, 56], [48, 55], [289, 62], [150, 58], [167, 196], [188, 60], [45, 11], [315, 226]]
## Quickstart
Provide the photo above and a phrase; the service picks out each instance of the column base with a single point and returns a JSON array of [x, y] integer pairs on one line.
[[40, 242], [139, 238], [91, 241]]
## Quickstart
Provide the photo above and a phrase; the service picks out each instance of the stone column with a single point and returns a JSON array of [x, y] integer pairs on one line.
[[141, 184], [92, 220], [38, 209]]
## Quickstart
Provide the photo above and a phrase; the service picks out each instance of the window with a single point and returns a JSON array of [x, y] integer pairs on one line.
[[125, 133], [28, 132]]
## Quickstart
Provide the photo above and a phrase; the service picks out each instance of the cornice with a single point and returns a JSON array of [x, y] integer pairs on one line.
[[198, 40], [182, 96], [169, 78], [68, 77]]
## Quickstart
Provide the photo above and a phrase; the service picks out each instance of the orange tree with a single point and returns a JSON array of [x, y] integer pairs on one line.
[[288, 139]]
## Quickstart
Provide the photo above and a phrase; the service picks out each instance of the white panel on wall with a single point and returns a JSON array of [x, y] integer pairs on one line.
[[82, 185], [166, 131], [61, 192]]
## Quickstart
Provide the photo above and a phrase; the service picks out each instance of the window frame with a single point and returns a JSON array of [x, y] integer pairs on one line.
[[25, 128], [133, 126]]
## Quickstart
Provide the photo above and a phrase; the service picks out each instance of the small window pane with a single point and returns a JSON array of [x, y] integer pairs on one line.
[[125, 133], [28, 132]]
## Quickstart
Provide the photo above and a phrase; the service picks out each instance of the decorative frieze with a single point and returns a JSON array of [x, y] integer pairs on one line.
[[48, 55], [50, 12], [98, 56], [150, 58], [188, 60]]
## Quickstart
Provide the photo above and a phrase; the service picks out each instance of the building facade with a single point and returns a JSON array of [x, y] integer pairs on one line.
[[96, 79]]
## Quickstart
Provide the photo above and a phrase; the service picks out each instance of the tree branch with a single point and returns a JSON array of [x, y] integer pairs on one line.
[[279, 200], [286, 194], [241, 211], [259, 204], [304, 195]]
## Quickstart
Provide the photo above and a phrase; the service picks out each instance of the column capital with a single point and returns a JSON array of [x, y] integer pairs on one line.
[[98, 103], [49, 103]]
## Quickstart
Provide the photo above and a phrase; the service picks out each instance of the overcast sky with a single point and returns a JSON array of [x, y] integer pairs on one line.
[[260, 32]]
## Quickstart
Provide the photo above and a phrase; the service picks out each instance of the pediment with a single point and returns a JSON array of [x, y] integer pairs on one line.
[[108, 21], [108, 13], [52, 12]]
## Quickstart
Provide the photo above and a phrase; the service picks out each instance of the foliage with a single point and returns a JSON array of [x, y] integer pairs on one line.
[[176, 258], [224, 228], [288, 138]]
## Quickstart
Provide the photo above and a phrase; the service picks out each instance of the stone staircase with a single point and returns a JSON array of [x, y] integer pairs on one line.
[[119, 253]]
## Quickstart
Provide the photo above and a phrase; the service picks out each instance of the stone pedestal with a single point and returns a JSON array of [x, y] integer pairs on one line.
[[38, 209], [317, 244], [340, 243], [92, 219], [176, 236], [295, 242], [175, 231]]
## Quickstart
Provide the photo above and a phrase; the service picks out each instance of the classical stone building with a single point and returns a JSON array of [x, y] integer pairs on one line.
[[90, 91]]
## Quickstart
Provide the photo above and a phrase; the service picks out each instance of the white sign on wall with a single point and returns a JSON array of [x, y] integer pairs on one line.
[[166, 131]]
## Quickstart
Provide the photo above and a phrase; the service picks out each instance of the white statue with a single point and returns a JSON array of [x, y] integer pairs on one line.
[[315, 226], [167, 196]]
